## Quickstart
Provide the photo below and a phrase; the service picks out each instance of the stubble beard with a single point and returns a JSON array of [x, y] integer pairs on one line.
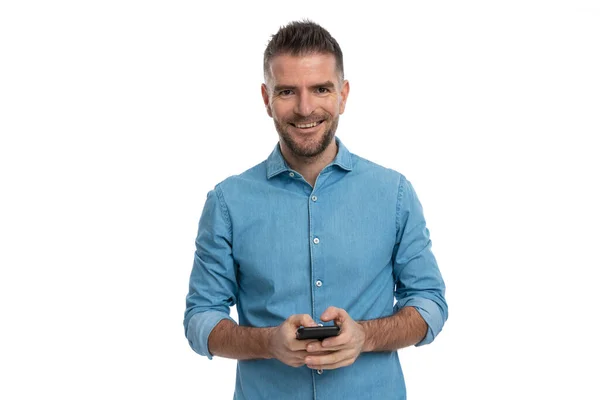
[[312, 149]]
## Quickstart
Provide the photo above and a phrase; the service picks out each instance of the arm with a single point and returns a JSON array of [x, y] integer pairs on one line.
[[213, 284], [419, 283], [245, 343], [404, 328], [230, 340]]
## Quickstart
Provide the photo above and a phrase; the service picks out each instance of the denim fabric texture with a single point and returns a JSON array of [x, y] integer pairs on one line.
[[274, 246]]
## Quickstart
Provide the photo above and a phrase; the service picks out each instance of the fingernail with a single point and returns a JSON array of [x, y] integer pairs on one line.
[[308, 361], [310, 347]]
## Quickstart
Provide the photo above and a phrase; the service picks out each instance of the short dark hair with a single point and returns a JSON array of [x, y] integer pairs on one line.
[[300, 38]]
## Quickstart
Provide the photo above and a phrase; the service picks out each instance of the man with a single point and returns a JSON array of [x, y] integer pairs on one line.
[[313, 235]]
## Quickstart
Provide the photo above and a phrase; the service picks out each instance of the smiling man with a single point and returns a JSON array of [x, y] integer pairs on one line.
[[314, 235]]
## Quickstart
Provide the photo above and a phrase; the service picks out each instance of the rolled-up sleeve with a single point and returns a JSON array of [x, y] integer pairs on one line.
[[213, 285], [419, 283]]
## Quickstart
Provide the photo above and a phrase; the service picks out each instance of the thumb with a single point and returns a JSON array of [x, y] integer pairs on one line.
[[333, 313], [302, 320]]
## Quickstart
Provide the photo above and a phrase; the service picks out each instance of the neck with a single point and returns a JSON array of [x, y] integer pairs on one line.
[[310, 167]]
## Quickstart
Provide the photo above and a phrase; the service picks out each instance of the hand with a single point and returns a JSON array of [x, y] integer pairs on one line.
[[345, 348], [283, 344]]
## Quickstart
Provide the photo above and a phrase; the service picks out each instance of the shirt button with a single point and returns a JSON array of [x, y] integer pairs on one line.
[[319, 371], [314, 198], [319, 283], [292, 174], [316, 240]]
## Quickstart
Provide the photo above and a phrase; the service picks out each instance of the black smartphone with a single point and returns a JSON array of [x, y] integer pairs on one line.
[[317, 332]]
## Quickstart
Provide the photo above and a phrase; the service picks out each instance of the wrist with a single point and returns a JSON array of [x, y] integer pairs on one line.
[[368, 340], [267, 343]]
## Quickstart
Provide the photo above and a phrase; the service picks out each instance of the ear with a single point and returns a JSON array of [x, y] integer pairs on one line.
[[344, 94], [265, 95]]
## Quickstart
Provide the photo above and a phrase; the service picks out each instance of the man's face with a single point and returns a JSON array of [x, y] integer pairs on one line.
[[305, 97]]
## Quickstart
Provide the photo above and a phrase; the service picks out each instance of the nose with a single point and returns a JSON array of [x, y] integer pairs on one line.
[[305, 104]]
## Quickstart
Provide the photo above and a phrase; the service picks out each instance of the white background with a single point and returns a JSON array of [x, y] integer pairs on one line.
[[117, 117]]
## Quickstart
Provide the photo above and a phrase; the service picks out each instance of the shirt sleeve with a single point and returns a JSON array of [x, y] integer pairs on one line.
[[213, 285], [419, 283]]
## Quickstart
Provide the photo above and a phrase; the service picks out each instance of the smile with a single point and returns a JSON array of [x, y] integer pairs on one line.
[[307, 126]]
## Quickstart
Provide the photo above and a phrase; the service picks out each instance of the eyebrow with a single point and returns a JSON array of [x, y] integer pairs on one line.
[[328, 84]]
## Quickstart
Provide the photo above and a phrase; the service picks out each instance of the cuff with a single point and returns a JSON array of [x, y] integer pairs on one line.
[[430, 312], [200, 327]]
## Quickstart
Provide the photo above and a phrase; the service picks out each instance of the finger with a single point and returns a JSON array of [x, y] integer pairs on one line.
[[343, 363], [341, 340], [334, 313], [297, 345], [319, 353], [331, 344], [298, 320], [314, 347], [328, 361], [302, 355], [294, 359]]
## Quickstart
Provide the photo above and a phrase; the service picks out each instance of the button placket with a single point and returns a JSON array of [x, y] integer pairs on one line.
[[318, 289]]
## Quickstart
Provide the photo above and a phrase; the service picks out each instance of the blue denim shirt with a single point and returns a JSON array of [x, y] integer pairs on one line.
[[274, 246]]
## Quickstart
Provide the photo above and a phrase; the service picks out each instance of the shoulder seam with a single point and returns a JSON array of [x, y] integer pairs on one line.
[[224, 209], [401, 185]]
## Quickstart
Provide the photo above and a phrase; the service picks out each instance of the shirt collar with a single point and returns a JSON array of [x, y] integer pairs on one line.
[[276, 163]]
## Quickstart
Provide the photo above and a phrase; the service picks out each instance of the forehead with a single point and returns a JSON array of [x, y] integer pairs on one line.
[[289, 69]]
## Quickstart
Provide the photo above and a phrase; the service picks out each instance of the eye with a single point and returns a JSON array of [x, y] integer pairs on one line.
[[322, 90], [285, 92]]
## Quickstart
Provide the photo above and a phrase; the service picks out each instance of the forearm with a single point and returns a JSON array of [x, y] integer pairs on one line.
[[405, 328], [230, 340]]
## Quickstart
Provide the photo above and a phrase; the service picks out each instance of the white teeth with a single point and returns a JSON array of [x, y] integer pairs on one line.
[[306, 125]]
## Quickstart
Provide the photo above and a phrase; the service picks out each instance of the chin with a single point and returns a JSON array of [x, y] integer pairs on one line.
[[309, 148]]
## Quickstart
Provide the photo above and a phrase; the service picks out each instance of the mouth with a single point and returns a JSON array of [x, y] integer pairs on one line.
[[308, 125]]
